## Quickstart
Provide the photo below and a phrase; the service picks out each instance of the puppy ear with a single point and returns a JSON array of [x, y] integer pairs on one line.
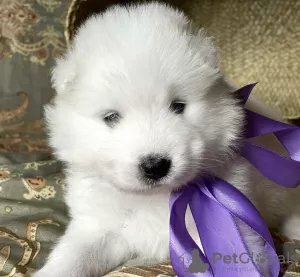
[[63, 75], [204, 45]]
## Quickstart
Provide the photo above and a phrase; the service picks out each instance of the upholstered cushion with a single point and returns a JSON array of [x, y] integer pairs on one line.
[[32, 215], [31, 36]]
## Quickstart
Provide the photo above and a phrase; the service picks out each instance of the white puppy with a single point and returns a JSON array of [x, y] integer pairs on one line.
[[141, 109]]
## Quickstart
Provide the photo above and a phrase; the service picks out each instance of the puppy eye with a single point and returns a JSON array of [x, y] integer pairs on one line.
[[112, 118], [177, 107]]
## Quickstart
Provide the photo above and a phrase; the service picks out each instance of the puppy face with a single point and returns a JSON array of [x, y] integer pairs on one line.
[[146, 109]]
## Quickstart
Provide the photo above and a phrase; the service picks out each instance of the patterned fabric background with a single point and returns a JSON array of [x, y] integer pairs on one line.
[[31, 36], [32, 212], [32, 215]]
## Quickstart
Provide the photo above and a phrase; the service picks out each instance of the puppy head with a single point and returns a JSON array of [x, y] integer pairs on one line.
[[141, 101]]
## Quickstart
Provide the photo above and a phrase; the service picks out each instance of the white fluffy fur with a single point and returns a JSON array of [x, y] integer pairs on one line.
[[136, 61]]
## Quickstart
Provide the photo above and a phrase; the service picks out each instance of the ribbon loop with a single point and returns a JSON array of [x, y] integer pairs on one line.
[[279, 169], [181, 243]]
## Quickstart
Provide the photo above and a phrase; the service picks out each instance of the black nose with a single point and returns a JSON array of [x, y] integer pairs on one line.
[[155, 167]]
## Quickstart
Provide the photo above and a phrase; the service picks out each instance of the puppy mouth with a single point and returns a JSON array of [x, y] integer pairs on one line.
[[168, 182], [150, 183], [151, 186]]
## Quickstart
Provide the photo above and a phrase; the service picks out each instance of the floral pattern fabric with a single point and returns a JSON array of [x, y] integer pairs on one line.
[[32, 215], [31, 37]]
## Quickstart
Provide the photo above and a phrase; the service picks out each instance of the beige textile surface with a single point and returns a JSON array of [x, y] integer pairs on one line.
[[259, 42]]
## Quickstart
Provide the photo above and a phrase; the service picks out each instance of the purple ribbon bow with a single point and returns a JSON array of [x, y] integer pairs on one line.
[[215, 203]]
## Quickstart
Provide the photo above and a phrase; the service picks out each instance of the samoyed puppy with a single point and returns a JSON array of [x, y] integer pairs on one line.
[[141, 109]]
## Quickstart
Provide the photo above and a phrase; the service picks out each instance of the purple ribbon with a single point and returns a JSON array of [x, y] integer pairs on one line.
[[215, 203]]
